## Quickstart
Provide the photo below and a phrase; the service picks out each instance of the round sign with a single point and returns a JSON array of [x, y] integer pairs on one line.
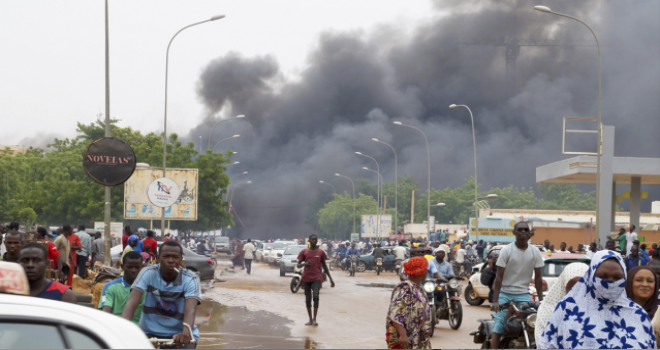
[[163, 192], [109, 161]]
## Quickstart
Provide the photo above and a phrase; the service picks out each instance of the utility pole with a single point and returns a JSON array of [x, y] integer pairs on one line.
[[107, 241], [412, 208]]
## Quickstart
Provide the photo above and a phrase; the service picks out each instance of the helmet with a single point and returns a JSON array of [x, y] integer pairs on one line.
[[470, 242]]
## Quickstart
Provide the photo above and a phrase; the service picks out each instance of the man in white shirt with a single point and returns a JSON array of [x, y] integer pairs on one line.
[[248, 248], [592, 249], [461, 253], [562, 248], [400, 252], [630, 238]]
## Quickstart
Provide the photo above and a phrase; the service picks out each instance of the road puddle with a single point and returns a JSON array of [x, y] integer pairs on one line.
[[223, 327]]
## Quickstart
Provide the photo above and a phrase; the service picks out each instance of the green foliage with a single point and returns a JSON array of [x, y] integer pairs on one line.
[[54, 187], [334, 219]]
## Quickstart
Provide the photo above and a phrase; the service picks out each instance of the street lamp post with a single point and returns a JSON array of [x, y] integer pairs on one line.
[[546, 9], [329, 184], [396, 186], [220, 121], [378, 193], [167, 63], [476, 186], [352, 185], [428, 159], [234, 189], [225, 139], [243, 173]]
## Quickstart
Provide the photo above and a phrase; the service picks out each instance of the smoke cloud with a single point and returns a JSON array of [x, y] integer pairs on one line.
[[300, 131]]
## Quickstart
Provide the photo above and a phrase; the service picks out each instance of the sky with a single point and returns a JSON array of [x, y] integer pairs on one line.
[[53, 65], [317, 80]]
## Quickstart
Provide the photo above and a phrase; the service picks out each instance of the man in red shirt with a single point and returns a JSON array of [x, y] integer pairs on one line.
[[150, 244], [33, 258], [53, 253], [74, 241], [313, 259], [124, 239]]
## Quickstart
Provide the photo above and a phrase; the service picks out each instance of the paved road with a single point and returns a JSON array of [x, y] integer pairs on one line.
[[350, 316]]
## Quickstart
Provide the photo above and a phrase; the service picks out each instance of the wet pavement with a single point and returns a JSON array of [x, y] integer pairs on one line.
[[259, 311], [223, 327]]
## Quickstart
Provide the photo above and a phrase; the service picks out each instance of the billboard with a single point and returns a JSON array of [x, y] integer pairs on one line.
[[116, 228], [494, 229], [137, 205], [369, 226]]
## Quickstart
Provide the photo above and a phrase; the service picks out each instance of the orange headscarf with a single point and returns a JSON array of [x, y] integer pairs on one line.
[[416, 267]]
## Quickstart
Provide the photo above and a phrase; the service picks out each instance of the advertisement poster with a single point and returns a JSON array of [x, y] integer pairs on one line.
[[138, 206], [116, 228], [370, 227]]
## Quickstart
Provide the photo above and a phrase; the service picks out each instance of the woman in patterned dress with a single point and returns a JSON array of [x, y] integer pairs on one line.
[[409, 310]]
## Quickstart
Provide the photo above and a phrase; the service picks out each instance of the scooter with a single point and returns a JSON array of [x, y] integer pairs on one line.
[[446, 308], [296, 280], [379, 265], [520, 325], [353, 266]]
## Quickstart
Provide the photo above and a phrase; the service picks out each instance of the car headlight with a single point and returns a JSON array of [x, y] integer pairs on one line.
[[531, 320], [453, 283], [429, 286]]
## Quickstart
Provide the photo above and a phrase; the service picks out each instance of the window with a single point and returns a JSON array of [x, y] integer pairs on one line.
[[29, 336], [79, 340]]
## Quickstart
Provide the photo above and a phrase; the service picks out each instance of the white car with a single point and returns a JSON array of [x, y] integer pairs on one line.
[[263, 251], [278, 249], [34, 323]]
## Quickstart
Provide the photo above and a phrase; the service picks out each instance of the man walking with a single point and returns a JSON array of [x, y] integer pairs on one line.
[[248, 248], [631, 237], [515, 266], [98, 252], [313, 259], [85, 250], [63, 245]]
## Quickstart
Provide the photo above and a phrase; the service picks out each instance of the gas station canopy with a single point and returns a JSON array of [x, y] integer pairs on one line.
[[582, 169]]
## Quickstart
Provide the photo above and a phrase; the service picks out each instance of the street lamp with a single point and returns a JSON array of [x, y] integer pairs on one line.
[[378, 193], [474, 141], [353, 185], [234, 163], [225, 139], [243, 173], [329, 184], [490, 196], [220, 121], [439, 205], [167, 64], [428, 159], [380, 178], [546, 9], [234, 188], [396, 185]]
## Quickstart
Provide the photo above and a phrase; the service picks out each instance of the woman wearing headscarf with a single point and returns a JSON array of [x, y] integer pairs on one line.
[[596, 313], [642, 287], [566, 281], [409, 309]]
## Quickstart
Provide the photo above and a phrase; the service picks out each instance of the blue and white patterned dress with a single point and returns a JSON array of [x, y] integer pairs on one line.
[[597, 314]]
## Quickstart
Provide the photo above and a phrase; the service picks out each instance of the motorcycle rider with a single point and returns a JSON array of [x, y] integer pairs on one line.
[[341, 252], [351, 251], [379, 252], [444, 271], [515, 265]]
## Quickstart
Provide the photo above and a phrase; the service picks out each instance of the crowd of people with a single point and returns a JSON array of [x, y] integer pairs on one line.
[[160, 298]]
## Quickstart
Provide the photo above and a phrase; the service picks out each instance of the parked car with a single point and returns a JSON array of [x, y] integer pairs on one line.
[[278, 249], [221, 245], [367, 261], [202, 265], [290, 258], [476, 293], [263, 250]]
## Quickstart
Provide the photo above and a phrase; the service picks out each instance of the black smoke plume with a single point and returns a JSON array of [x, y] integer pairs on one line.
[[299, 131]]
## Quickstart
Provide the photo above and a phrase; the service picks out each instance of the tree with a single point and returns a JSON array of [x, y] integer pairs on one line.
[[336, 217]]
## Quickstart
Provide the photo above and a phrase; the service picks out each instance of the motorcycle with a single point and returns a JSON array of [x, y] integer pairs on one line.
[[446, 304], [296, 280], [165, 343], [520, 324], [379, 265], [397, 266], [353, 266]]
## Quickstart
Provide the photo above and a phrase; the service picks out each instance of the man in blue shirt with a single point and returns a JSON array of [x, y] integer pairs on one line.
[[443, 268], [635, 259], [172, 296], [351, 251]]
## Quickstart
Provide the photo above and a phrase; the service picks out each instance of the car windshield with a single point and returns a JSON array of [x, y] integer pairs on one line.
[[281, 245], [556, 267], [293, 250], [222, 240]]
